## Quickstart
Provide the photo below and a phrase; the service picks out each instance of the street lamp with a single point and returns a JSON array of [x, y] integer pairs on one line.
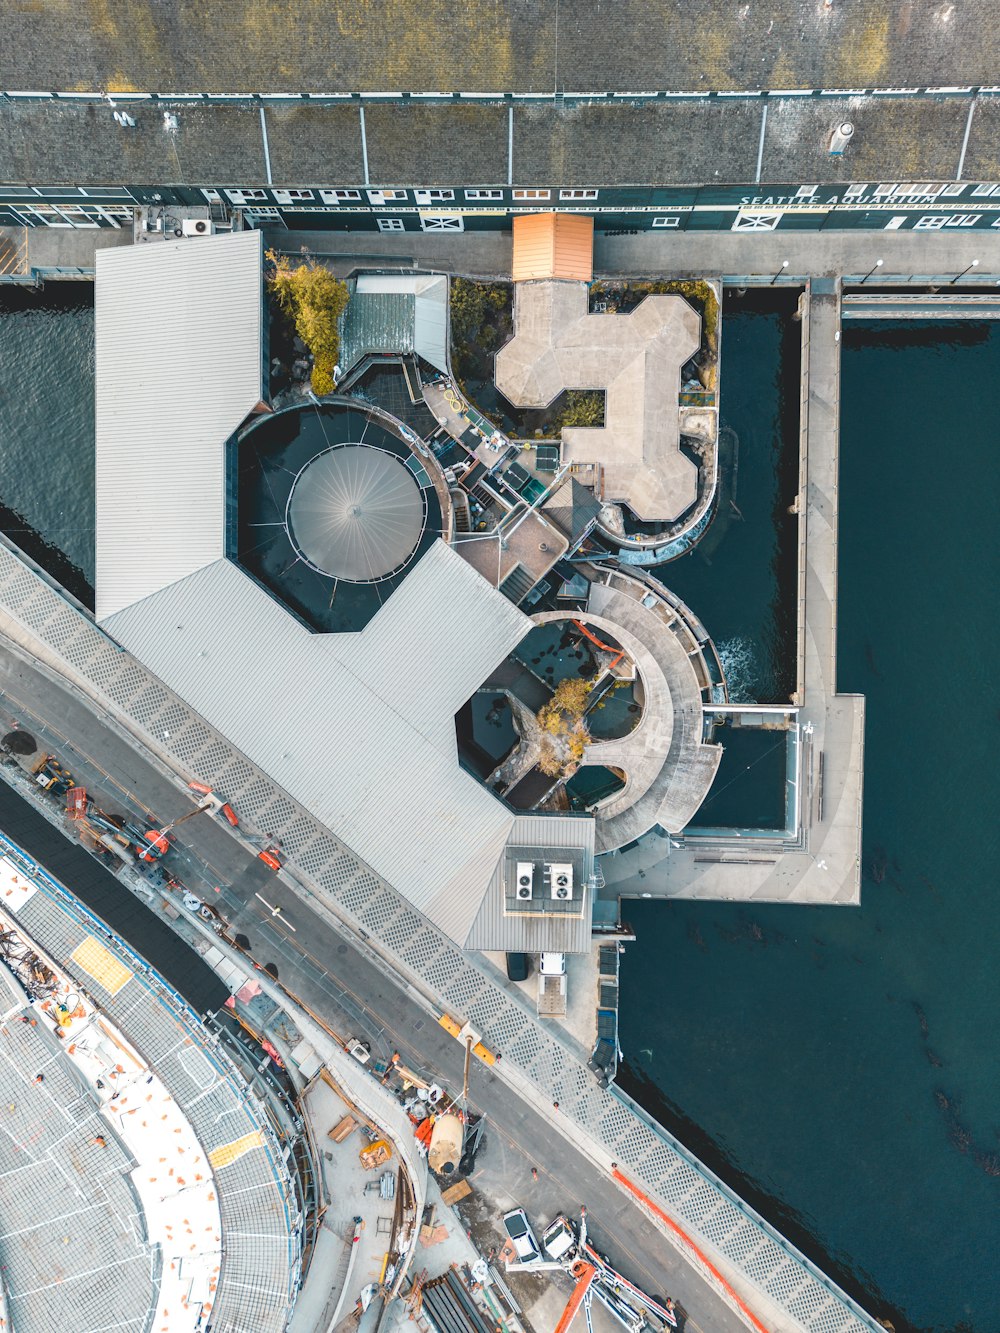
[[877, 265], [784, 265], [958, 276]]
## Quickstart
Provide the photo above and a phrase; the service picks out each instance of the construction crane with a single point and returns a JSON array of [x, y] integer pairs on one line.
[[156, 842], [584, 1274]]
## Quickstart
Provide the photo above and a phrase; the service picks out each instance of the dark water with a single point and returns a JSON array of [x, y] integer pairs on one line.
[[749, 788], [841, 1066], [47, 428], [740, 578]]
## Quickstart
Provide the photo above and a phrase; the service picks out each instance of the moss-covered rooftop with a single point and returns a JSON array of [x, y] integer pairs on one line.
[[493, 45]]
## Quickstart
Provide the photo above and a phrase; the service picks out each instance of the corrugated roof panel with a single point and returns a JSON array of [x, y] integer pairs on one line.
[[358, 728], [438, 637], [430, 336], [356, 752], [495, 929], [397, 313], [178, 329], [553, 245]]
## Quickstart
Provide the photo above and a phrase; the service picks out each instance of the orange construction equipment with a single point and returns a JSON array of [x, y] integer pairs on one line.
[[76, 802], [157, 842], [269, 859], [376, 1154], [584, 1274], [605, 647]]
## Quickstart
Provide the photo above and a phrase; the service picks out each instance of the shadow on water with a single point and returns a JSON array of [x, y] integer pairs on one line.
[[741, 577], [860, 1286], [47, 429]]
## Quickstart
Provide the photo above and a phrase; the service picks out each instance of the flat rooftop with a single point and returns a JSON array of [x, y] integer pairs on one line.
[[637, 359], [489, 45], [594, 143]]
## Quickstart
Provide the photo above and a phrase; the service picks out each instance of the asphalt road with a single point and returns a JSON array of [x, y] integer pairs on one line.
[[355, 994]]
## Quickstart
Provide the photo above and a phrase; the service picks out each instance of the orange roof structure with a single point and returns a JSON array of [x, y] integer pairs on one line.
[[553, 245]]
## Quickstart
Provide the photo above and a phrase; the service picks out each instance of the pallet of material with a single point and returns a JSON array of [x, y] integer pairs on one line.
[[343, 1129], [456, 1192]]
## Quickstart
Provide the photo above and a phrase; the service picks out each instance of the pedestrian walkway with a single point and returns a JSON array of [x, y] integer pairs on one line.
[[822, 865], [781, 1283]]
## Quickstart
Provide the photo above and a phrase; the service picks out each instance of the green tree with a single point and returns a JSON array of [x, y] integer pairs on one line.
[[468, 310], [314, 301], [565, 735], [583, 407]]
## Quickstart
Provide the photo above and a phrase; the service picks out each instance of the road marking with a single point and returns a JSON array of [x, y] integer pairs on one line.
[[276, 911]]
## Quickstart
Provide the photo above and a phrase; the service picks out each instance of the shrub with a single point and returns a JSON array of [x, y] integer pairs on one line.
[[314, 300], [561, 719], [583, 407]]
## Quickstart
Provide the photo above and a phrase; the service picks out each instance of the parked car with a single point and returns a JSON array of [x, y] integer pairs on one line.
[[522, 1237], [518, 967]]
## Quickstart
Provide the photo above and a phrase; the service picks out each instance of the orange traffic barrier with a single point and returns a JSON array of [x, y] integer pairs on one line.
[[696, 1250]]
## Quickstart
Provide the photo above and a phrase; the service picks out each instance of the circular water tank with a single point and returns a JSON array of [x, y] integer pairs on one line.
[[355, 513], [445, 1149]]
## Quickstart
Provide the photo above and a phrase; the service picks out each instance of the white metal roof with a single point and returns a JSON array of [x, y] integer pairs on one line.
[[178, 369], [430, 314], [359, 728]]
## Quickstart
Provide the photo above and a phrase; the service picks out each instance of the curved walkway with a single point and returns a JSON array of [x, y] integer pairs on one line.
[[255, 1290], [668, 767]]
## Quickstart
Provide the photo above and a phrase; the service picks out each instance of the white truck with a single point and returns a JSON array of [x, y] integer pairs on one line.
[[552, 985]]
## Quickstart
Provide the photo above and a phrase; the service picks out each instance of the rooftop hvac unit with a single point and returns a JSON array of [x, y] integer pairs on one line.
[[524, 889], [561, 880], [197, 227]]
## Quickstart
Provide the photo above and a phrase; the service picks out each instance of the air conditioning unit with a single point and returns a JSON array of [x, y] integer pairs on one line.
[[561, 881], [524, 887], [197, 227]]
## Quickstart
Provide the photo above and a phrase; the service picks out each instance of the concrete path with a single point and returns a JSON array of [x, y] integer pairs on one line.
[[905, 255], [827, 867]]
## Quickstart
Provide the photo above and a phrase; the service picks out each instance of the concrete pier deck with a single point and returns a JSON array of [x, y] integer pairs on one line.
[[825, 866]]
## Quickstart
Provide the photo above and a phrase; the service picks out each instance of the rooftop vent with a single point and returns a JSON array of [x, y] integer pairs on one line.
[[524, 889], [840, 138], [561, 881]]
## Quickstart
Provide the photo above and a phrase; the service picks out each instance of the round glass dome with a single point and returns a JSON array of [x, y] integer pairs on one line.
[[355, 513]]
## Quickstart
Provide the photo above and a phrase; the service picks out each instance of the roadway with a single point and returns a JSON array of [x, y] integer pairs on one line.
[[908, 257], [354, 993]]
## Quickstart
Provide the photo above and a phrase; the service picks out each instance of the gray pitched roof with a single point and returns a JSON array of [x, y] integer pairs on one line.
[[178, 328], [397, 313]]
